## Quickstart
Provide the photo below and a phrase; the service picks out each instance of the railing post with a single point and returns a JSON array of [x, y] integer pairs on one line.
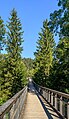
[[56, 101], [52, 98], [49, 96], [43, 93], [46, 94], [61, 105], [68, 110]]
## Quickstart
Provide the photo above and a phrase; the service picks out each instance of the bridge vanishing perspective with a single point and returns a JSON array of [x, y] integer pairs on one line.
[[36, 102]]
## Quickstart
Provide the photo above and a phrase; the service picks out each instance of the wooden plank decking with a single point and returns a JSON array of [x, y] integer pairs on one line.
[[34, 109]]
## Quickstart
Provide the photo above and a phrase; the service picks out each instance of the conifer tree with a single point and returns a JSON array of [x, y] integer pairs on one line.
[[14, 37], [14, 49], [44, 54]]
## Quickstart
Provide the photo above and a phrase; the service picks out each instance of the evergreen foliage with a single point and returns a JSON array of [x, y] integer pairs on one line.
[[14, 37], [28, 62], [55, 73], [29, 65], [59, 20], [12, 69], [50, 67], [59, 23], [2, 33], [14, 49], [59, 74], [44, 55], [5, 79]]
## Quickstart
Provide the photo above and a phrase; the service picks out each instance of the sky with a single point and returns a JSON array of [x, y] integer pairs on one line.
[[32, 13]]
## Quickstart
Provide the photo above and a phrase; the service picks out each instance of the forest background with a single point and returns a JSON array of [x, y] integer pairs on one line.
[[49, 68]]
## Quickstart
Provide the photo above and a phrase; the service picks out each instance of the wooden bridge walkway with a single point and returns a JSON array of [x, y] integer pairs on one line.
[[36, 107], [29, 104]]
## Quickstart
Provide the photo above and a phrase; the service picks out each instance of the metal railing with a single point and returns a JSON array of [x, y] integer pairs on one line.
[[13, 107], [58, 100]]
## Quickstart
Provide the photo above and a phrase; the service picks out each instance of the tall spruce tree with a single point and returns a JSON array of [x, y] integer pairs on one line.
[[14, 38], [44, 55], [14, 49]]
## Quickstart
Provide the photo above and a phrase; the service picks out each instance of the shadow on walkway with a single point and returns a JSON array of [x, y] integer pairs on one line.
[[51, 114]]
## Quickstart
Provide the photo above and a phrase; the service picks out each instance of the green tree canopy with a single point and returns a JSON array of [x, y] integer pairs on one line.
[[14, 37], [59, 23], [44, 54], [2, 33], [59, 20]]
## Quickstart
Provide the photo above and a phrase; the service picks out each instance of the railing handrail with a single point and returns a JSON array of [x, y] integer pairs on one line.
[[54, 91], [7, 105], [58, 100]]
